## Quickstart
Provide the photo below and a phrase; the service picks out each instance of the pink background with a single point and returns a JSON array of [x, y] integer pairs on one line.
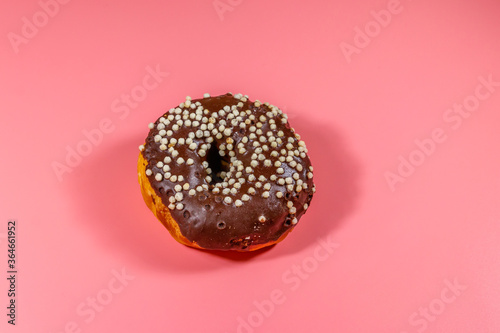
[[396, 251]]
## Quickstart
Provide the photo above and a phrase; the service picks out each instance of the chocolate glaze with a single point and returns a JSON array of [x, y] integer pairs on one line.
[[206, 218]]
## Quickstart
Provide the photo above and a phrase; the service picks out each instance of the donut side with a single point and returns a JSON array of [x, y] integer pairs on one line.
[[155, 204]]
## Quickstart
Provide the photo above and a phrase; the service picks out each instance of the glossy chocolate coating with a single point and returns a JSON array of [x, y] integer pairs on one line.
[[206, 218]]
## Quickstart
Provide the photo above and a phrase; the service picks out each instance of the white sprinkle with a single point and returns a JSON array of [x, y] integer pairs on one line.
[[179, 196], [245, 197], [173, 179], [192, 192], [294, 221], [149, 172], [179, 206], [309, 175], [189, 161], [262, 219], [163, 147], [171, 206], [293, 210], [167, 159], [206, 95], [178, 188], [141, 147], [280, 170], [158, 177], [251, 190], [238, 203], [279, 194], [185, 186], [265, 194], [151, 125], [180, 160], [228, 200]]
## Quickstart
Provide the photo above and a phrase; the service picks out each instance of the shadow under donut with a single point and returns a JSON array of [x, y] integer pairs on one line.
[[106, 192]]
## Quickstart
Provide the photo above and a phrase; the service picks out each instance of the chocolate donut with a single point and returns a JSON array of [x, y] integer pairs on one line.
[[224, 173]]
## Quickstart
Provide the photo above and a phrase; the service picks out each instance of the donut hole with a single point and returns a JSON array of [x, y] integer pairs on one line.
[[221, 225], [218, 165]]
